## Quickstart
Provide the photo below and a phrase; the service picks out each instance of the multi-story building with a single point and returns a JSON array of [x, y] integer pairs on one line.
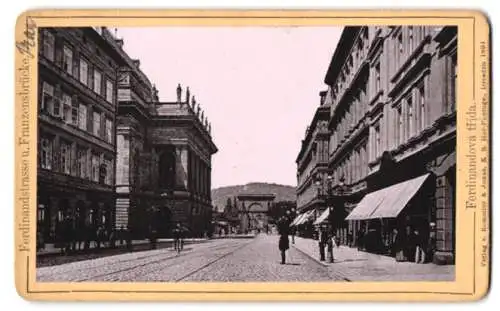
[[393, 132], [164, 154], [76, 129], [312, 161], [100, 117]]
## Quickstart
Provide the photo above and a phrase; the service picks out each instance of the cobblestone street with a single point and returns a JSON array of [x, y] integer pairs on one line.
[[231, 260]]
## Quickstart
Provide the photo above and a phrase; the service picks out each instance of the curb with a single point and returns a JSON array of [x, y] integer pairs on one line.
[[342, 275], [118, 248]]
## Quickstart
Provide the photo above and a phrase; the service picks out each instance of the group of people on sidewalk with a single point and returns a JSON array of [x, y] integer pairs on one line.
[[404, 244], [412, 245], [71, 238]]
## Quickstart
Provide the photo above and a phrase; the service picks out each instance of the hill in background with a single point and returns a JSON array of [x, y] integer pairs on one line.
[[282, 192]]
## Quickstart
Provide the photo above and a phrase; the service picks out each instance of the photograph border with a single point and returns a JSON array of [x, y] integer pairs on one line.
[[472, 269]]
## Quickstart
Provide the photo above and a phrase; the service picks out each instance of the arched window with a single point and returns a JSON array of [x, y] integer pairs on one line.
[[103, 172], [167, 170]]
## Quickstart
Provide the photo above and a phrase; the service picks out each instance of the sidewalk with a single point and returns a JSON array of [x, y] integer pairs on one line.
[[50, 249], [356, 265]]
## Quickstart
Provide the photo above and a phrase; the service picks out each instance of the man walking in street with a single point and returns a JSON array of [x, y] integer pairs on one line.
[[283, 230], [323, 237], [178, 238]]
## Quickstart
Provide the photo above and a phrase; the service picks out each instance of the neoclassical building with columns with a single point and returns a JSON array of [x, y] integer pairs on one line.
[[163, 157]]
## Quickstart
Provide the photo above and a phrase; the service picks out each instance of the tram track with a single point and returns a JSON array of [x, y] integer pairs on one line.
[[123, 269]]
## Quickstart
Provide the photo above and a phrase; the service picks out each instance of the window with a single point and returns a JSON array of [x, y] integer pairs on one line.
[[167, 170], [84, 71], [97, 82], [377, 76], [74, 111], [81, 164], [109, 130], [410, 37], [109, 91], [399, 124], [95, 167], [68, 59], [97, 123], [103, 171], [47, 101], [40, 213], [400, 42], [409, 117], [56, 104], [377, 140], [421, 98], [109, 171], [46, 153], [66, 108], [82, 116], [65, 158], [453, 84], [48, 45]]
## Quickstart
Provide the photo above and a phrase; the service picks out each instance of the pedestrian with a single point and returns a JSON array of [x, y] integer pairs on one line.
[[331, 240], [177, 234], [283, 230], [409, 244], [122, 232], [112, 238], [293, 234], [419, 250], [398, 245], [128, 238], [360, 239], [322, 241], [431, 243]]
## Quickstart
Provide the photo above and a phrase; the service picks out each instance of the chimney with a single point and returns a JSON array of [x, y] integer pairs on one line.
[[119, 42], [322, 95]]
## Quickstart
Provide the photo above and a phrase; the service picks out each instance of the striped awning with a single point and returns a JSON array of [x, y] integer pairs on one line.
[[296, 219], [323, 217], [305, 218], [387, 202]]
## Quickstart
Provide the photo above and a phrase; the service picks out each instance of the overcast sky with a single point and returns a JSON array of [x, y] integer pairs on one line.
[[259, 87]]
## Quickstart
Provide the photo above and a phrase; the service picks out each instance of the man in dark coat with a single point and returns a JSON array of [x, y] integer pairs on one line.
[[283, 230]]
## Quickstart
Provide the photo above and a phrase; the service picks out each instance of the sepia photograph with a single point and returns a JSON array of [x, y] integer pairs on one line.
[[246, 154]]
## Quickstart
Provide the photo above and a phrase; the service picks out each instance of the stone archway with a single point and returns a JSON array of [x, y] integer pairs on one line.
[[254, 212]]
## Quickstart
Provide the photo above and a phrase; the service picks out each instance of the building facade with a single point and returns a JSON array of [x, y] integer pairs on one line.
[[110, 153], [392, 122], [76, 129], [164, 152], [312, 162]]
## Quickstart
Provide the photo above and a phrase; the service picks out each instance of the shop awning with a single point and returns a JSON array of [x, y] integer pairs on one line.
[[296, 219], [387, 202], [323, 217], [305, 217]]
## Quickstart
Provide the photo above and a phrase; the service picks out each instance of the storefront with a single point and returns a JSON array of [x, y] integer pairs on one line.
[[382, 213]]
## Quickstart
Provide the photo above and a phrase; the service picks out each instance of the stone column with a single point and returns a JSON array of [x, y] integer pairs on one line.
[[182, 169], [209, 183], [444, 222]]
